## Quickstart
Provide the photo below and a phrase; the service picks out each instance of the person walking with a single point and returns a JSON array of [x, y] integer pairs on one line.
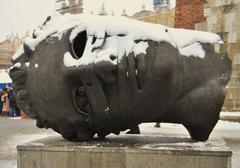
[[5, 101], [1, 103], [12, 103]]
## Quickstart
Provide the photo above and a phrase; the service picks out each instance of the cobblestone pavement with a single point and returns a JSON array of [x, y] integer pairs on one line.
[[15, 132]]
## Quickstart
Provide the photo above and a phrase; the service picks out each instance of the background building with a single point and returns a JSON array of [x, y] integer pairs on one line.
[[102, 11], [69, 6], [7, 49], [161, 5], [188, 13], [223, 18], [161, 14]]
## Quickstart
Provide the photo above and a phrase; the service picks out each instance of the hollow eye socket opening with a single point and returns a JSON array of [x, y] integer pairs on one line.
[[79, 44]]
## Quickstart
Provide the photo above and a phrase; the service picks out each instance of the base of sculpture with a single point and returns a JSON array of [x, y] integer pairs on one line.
[[125, 151]]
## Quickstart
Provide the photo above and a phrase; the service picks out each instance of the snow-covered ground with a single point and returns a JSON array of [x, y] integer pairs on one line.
[[235, 114], [230, 116], [228, 125], [16, 132], [13, 132], [225, 132]]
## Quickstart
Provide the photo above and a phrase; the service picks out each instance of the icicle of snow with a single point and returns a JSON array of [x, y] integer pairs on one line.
[[184, 37], [194, 49], [17, 65], [140, 48]]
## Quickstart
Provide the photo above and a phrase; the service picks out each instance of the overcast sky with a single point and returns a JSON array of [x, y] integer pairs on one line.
[[18, 16]]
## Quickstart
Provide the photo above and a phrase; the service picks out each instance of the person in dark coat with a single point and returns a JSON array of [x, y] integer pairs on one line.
[[82, 100], [12, 103], [1, 103]]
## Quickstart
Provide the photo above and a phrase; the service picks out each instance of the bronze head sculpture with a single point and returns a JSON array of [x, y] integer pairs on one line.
[[85, 75]]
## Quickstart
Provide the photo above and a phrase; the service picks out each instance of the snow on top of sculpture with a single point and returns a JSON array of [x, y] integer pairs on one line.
[[122, 35]]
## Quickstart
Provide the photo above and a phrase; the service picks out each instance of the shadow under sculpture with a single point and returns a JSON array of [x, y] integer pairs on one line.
[[158, 85]]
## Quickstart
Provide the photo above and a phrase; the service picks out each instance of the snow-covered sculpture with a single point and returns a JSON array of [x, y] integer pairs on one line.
[[130, 72]]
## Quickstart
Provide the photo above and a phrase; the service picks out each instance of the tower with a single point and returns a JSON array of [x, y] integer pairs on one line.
[[124, 13], [69, 6], [102, 10], [160, 2], [161, 5]]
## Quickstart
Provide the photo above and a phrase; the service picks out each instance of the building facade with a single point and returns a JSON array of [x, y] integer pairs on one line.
[[157, 3], [166, 18], [161, 5], [188, 13], [223, 18], [102, 11], [161, 14], [7, 49], [69, 6]]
